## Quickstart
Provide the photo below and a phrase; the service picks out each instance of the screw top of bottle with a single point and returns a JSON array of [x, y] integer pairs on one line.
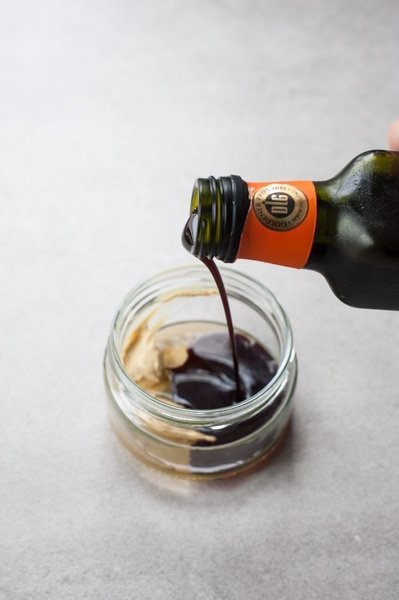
[[217, 214]]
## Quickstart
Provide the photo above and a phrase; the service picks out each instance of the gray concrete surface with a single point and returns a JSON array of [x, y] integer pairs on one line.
[[108, 112]]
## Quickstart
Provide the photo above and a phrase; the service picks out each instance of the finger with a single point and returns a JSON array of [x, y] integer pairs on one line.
[[393, 135]]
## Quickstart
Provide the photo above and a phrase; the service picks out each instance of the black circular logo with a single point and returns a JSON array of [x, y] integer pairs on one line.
[[279, 205]]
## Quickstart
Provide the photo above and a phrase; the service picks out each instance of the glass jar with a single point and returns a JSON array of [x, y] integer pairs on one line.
[[202, 443]]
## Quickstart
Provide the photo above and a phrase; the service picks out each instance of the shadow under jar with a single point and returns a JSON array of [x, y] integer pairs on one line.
[[207, 443]]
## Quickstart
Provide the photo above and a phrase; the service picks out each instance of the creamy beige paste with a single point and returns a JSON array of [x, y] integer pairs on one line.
[[150, 352]]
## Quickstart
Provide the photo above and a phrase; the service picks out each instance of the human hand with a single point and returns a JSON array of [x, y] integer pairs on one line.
[[393, 135]]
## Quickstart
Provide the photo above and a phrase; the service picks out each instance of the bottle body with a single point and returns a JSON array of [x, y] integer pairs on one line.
[[346, 228], [356, 242]]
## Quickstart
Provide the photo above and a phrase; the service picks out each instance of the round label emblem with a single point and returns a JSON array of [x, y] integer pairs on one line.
[[280, 206]]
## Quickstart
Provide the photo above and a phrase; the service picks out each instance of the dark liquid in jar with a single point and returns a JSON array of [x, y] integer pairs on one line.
[[207, 379]]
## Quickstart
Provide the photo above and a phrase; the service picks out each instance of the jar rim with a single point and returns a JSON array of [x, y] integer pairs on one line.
[[191, 416]]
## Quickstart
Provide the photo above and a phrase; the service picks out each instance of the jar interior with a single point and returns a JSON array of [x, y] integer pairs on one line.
[[204, 310]]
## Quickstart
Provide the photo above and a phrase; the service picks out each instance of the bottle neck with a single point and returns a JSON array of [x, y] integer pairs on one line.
[[270, 221]]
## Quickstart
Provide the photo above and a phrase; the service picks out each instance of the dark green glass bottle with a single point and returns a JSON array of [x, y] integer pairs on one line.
[[346, 228]]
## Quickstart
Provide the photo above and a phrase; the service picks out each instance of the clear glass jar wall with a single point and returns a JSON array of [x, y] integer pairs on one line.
[[202, 443]]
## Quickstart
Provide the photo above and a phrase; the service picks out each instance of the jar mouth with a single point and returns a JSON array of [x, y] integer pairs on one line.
[[190, 416]]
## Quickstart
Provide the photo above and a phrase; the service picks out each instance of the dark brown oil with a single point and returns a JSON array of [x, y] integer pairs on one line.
[[221, 369], [229, 321], [207, 379]]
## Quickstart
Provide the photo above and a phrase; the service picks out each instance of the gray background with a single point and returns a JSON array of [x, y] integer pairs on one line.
[[109, 110]]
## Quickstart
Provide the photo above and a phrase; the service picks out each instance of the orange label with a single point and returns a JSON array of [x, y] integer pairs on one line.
[[281, 222]]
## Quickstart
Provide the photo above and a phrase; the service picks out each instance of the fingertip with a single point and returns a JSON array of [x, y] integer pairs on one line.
[[393, 135]]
